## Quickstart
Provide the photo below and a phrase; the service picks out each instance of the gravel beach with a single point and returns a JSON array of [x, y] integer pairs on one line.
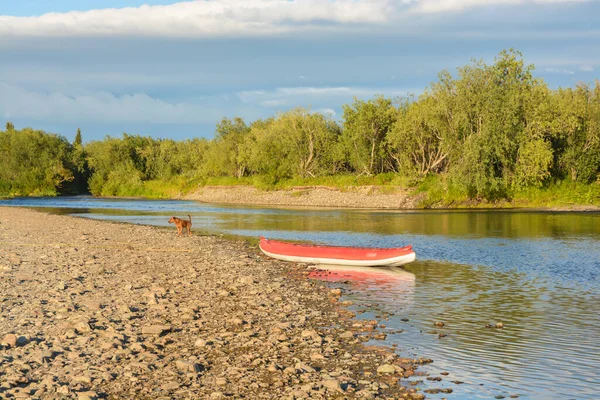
[[309, 196], [92, 309]]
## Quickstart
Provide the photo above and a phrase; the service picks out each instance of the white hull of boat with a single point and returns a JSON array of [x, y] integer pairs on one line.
[[389, 262]]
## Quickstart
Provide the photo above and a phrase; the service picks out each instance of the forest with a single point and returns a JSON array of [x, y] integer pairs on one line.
[[489, 133]]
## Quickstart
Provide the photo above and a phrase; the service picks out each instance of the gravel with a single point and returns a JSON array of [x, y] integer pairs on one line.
[[92, 309]]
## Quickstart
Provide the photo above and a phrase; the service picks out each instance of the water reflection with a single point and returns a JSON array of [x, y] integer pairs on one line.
[[388, 281], [545, 350]]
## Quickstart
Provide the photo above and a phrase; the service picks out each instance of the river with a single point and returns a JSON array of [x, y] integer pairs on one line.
[[537, 273]]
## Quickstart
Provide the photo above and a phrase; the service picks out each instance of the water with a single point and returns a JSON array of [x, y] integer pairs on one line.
[[536, 272]]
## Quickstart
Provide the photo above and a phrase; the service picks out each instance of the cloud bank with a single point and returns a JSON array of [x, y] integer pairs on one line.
[[235, 18], [201, 18], [98, 106]]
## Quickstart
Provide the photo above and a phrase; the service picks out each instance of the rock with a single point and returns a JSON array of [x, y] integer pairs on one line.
[[87, 395], [83, 379], [386, 369], [64, 389], [169, 386], [347, 335], [71, 334], [332, 385], [188, 366], [156, 330], [439, 324], [302, 367], [46, 356], [311, 334], [10, 339]]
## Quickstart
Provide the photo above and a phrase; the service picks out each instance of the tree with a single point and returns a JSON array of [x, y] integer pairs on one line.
[[78, 137], [34, 163], [495, 102], [297, 143], [366, 124], [10, 127], [223, 157], [420, 140], [578, 132]]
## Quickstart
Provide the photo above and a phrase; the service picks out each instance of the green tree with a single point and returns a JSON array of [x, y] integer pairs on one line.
[[421, 140], [366, 124], [34, 162], [297, 143], [223, 157], [578, 132]]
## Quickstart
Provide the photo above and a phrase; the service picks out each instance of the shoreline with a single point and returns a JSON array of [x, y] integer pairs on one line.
[[360, 197], [351, 197], [95, 309]]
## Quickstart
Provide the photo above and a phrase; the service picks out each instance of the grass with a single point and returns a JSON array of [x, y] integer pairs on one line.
[[560, 194], [434, 191]]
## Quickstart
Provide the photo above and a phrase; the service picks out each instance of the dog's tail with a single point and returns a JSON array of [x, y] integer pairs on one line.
[[190, 218]]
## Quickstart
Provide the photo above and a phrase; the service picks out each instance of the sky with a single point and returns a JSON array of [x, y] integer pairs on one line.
[[171, 69]]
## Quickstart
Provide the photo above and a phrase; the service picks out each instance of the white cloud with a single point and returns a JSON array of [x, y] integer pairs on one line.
[[234, 18], [304, 95], [438, 6], [201, 18], [17, 102], [560, 71], [586, 68], [325, 111]]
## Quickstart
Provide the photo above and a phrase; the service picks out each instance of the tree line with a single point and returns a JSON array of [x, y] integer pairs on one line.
[[491, 131]]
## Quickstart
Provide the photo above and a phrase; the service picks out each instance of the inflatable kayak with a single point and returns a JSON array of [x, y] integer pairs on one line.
[[356, 256]]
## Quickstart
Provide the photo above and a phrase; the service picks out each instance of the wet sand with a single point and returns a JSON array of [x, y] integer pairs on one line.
[[93, 309]]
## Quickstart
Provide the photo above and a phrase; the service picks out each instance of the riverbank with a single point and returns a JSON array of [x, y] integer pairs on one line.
[[93, 309], [308, 196], [373, 197]]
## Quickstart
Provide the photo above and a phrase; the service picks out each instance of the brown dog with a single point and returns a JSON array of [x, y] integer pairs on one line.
[[182, 223]]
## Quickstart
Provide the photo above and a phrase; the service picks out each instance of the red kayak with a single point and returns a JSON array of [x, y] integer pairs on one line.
[[358, 256]]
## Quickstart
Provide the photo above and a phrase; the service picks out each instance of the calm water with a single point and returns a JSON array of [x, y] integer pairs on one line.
[[536, 272]]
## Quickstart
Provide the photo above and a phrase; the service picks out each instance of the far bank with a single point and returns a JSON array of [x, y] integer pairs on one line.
[[373, 197]]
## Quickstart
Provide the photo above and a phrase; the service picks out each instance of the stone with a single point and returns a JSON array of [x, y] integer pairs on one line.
[[156, 330], [83, 379], [347, 335], [386, 369], [10, 339], [188, 366], [87, 395], [169, 386], [332, 385]]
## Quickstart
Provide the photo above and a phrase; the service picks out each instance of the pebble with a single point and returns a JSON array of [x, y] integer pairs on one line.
[[156, 330], [136, 312]]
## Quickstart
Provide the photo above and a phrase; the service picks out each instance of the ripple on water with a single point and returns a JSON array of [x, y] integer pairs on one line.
[[546, 349]]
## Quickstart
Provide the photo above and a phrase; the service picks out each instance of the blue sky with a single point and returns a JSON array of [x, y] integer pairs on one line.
[[173, 69]]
